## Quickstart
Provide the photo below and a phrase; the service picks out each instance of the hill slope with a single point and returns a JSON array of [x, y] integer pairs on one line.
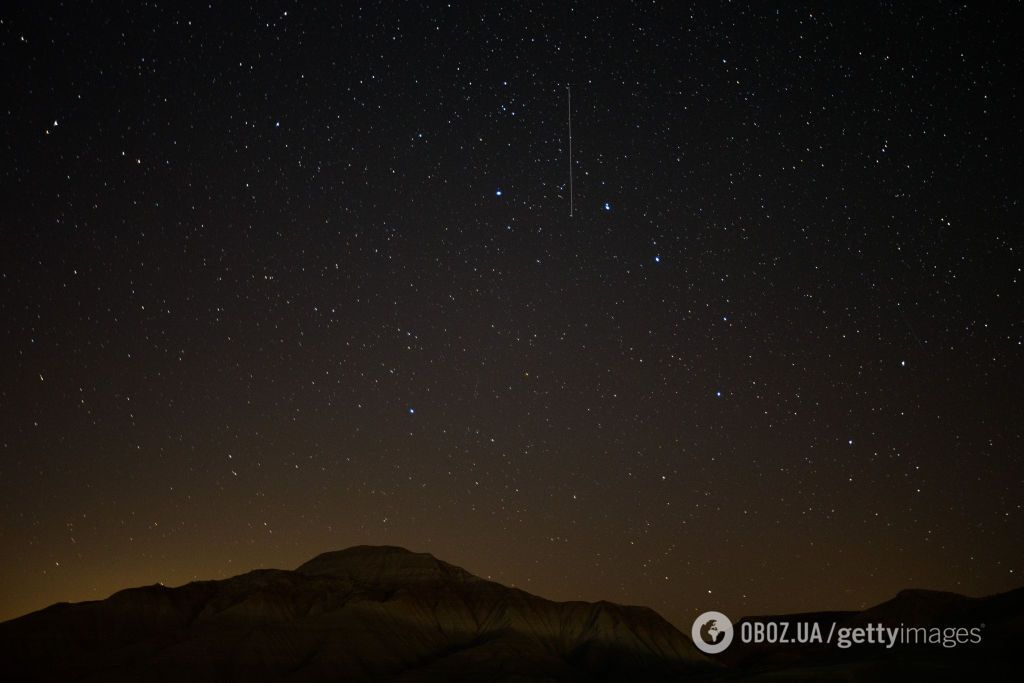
[[1000, 618], [361, 614]]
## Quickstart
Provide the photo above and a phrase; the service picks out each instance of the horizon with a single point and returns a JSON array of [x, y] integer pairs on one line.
[[679, 619]]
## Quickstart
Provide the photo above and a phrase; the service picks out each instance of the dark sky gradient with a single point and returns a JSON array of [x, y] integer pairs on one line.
[[260, 297]]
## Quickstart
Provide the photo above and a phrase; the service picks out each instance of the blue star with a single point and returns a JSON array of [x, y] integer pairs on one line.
[[657, 259], [607, 206], [412, 411], [497, 193]]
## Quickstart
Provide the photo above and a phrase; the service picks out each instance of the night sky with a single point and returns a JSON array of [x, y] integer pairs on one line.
[[278, 279]]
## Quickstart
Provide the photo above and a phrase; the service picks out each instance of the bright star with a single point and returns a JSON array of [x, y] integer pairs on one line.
[[607, 206], [498, 193]]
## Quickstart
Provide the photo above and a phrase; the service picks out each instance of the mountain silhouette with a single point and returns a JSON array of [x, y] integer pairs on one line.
[[999, 618], [373, 613], [361, 614]]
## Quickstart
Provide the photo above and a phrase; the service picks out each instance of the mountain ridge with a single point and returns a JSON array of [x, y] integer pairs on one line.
[[362, 614], [372, 613]]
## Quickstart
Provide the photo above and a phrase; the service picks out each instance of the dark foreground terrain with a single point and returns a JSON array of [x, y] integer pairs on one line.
[[362, 614], [384, 613], [999, 619]]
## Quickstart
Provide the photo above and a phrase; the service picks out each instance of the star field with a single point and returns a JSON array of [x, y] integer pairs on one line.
[[277, 279]]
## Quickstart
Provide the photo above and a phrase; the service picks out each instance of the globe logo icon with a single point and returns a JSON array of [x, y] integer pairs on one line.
[[712, 632]]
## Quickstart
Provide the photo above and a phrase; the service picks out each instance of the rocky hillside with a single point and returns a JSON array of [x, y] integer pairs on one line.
[[361, 614]]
